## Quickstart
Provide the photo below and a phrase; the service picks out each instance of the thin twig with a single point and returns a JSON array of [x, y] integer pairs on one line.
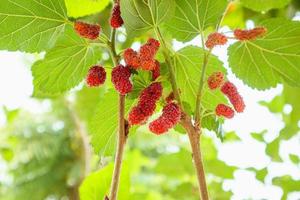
[[121, 132]]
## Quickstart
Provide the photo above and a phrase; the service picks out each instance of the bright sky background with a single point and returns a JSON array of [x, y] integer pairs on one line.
[[16, 88]]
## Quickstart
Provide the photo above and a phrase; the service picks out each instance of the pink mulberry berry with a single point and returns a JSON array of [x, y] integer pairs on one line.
[[121, 79], [147, 54], [131, 58], [96, 76], [149, 49], [89, 31], [215, 39], [116, 20], [171, 115], [250, 34], [230, 90], [146, 104], [225, 111], [215, 80]]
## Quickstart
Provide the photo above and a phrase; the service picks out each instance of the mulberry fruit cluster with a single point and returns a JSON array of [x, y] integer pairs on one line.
[[250, 34], [230, 90], [225, 111], [116, 20], [215, 39], [146, 104], [171, 115], [145, 58], [89, 31], [96, 76], [121, 79], [215, 80]]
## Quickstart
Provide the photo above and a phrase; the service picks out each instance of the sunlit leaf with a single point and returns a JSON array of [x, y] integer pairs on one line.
[[31, 25], [270, 60]]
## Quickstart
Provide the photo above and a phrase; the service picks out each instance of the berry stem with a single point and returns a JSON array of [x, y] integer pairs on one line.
[[166, 53], [204, 68], [121, 132]]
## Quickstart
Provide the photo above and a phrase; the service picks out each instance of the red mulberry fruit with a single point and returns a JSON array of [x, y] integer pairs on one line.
[[215, 39], [121, 79], [156, 71], [96, 76], [171, 115], [89, 31], [148, 50], [131, 58], [151, 93], [250, 34], [225, 111], [230, 90], [148, 64], [215, 80], [147, 54], [146, 104], [116, 20]]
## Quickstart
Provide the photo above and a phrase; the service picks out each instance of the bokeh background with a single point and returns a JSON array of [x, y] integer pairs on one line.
[[45, 151]]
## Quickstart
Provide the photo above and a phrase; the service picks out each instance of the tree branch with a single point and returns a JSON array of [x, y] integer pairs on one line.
[[186, 122], [194, 138], [122, 137]]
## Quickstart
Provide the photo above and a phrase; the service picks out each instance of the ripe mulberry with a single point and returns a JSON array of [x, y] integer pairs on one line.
[[215, 80], [89, 31], [131, 58], [171, 115], [116, 20], [149, 49], [225, 111], [230, 90], [250, 34], [146, 104], [96, 76], [121, 79], [147, 54], [156, 71], [215, 39]]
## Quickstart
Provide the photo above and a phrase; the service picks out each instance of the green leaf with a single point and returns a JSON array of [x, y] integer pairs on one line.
[[188, 63], [294, 158], [259, 136], [192, 17], [270, 60], [231, 136], [141, 80], [260, 174], [96, 186], [272, 150], [287, 184], [79, 8], [140, 16], [31, 25], [276, 105], [104, 124], [64, 66], [167, 162], [265, 5]]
